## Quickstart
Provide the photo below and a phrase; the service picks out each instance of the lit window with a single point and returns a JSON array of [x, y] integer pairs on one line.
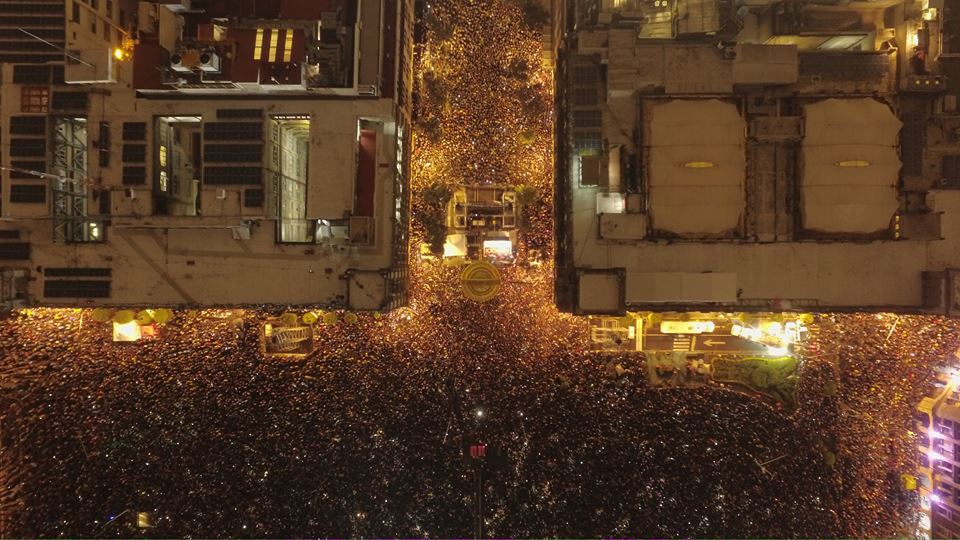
[[258, 45], [93, 230], [274, 35], [288, 46], [163, 156]]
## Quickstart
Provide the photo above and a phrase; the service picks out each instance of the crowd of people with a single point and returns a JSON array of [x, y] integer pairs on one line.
[[485, 113], [366, 435], [884, 365], [365, 438]]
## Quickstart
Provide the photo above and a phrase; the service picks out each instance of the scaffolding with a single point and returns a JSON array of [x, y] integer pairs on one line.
[[398, 281], [287, 171], [286, 341], [289, 339], [70, 221]]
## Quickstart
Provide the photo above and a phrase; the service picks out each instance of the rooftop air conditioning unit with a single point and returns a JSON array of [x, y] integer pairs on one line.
[[184, 61], [210, 62]]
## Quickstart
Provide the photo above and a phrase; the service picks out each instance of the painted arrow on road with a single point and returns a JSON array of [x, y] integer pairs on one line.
[[698, 343]]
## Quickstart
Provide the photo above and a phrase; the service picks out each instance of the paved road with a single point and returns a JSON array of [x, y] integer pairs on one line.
[[699, 343]]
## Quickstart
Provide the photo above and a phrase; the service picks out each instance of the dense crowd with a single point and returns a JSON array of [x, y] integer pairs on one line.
[[485, 112], [885, 364], [364, 438], [366, 435]]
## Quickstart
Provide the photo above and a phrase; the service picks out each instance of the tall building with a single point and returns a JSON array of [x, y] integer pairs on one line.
[[938, 482], [756, 155], [205, 152]]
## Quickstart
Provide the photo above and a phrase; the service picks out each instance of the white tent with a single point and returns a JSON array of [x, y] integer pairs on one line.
[[455, 246], [850, 166], [697, 166]]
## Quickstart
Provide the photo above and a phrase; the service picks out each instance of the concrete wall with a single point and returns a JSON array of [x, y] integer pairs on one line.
[[204, 260]]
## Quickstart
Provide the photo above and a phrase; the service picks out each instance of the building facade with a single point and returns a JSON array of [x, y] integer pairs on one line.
[[205, 152], [938, 478], [758, 155]]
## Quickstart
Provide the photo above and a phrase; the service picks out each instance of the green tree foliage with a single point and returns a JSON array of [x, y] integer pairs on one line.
[[775, 377], [518, 69], [435, 87], [440, 27], [526, 198], [434, 217], [532, 101], [430, 128], [535, 16]]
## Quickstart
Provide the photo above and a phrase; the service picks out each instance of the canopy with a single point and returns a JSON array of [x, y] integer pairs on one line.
[[455, 245], [697, 166], [850, 166]]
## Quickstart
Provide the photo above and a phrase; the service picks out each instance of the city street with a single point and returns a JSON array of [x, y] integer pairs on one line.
[[479, 408]]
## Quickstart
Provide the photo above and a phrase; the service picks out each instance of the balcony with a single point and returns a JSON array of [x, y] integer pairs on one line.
[[304, 46]]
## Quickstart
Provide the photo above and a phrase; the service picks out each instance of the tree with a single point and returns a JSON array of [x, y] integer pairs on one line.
[[441, 27], [431, 128], [518, 69], [435, 87], [526, 199], [434, 216], [534, 101], [535, 16]]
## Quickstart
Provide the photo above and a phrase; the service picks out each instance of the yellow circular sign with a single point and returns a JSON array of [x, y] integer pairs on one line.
[[162, 315], [144, 317], [481, 281], [102, 314], [289, 319], [123, 316]]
